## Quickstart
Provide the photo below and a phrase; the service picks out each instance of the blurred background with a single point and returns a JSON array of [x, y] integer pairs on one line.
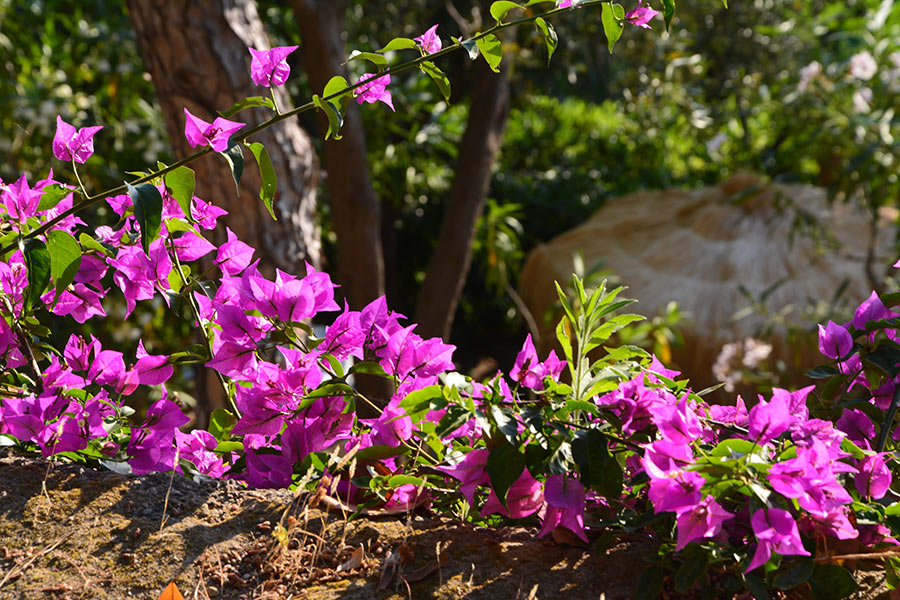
[[438, 204]]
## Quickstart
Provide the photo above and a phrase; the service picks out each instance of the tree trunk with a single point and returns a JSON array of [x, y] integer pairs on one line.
[[196, 52], [355, 210], [447, 271]]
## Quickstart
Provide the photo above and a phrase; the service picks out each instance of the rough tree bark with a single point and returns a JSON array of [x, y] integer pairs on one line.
[[449, 266], [196, 53], [355, 209]]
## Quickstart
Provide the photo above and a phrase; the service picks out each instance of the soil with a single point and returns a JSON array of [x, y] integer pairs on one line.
[[69, 532]]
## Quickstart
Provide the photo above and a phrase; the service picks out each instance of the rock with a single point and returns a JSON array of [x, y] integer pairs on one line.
[[698, 247]]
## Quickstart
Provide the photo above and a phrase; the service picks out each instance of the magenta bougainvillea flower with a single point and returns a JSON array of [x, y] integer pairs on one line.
[[874, 477], [429, 41], [677, 491], [528, 371], [270, 67], [702, 521], [834, 341], [770, 419], [73, 144], [641, 15], [565, 506], [563, 3], [872, 309], [776, 531], [200, 133], [375, 90]]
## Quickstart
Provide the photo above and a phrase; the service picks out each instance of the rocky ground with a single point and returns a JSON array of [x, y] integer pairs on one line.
[[67, 532]]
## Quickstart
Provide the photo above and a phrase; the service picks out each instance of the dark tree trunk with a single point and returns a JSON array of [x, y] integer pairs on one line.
[[447, 271], [355, 210], [196, 52]]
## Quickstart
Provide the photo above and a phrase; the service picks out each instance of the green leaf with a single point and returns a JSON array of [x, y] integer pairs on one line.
[[333, 113], [398, 480], [180, 183], [831, 582], [380, 452], [505, 465], [501, 7], [550, 37], [400, 43], [234, 156], [793, 573], [65, 258], [597, 467], [668, 12], [492, 51], [562, 334], [438, 77], [691, 571], [368, 367], [267, 173], [147, 210], [733, 448], [613, 18], [649, 584], [455, 417], [373, 57], [37, 265], [337, 87], [418, 403], [53, 195], [247, 103], [221, 422], [91, 244]]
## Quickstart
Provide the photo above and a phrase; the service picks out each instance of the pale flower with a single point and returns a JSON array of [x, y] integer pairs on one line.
[[863, 65]]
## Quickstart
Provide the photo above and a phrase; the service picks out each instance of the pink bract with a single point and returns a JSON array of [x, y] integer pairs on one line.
[[73, 144], [216, 134], [270, 67]]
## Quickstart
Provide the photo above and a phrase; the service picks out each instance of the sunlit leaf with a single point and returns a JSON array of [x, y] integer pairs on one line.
[[439, 78], [492, 51], [180, 183], [333, 114], [501, 7], [53, 195], [400, 43], [267, 174], [373, 57], [549, 34], [65, 258], [250, 102], [613, 18]]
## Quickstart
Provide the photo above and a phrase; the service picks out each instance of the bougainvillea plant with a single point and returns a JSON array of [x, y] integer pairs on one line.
[[593, 444]]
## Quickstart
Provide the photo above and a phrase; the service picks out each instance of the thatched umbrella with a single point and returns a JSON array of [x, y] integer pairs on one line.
[[698, 247]]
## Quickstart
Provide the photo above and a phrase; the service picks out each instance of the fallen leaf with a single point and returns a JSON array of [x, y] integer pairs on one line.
[[356, 560], [171, 593]]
